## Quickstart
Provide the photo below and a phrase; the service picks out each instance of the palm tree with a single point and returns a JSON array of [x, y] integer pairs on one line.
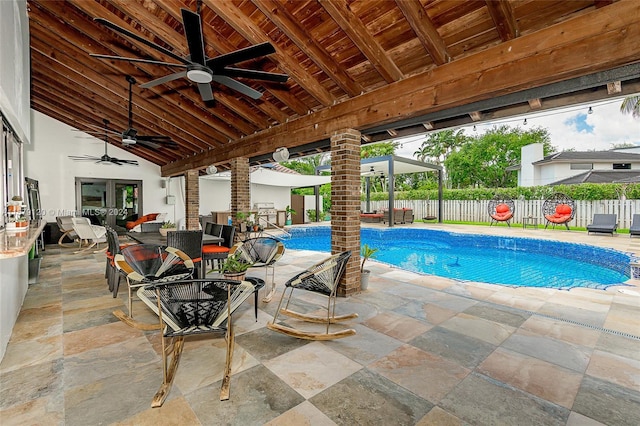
[[631, 105]]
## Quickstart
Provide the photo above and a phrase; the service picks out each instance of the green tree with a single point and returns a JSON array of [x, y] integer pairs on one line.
[[307, 165], [631, 105], [437, 146], [483, 159], [378, 149]]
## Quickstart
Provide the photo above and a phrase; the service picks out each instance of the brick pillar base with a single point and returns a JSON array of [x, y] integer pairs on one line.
[[345, 205], [192, 199], [240, 186]]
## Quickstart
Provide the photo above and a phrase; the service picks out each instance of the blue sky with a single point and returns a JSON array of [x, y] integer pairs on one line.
[[569, 128]]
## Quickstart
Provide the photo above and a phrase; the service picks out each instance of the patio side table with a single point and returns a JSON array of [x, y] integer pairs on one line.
[[530, 221]]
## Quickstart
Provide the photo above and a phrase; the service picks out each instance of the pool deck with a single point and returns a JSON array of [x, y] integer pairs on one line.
[[428, 351]]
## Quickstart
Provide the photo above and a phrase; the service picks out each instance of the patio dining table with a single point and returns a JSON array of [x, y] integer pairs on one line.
[[157, 238]]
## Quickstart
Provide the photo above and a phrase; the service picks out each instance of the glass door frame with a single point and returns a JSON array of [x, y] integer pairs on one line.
[[110, 211]]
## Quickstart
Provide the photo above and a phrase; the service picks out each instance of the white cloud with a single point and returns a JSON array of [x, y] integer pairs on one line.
[[610, 127]]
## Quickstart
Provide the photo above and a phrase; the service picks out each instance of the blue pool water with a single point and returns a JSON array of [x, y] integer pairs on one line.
[[490, 259]]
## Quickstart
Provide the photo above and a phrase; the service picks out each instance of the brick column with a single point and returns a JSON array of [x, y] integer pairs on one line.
[[345, 205], [240, 186], [192, 199]]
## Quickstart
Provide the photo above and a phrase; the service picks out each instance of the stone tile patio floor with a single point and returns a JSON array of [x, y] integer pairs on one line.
[[428, 351]]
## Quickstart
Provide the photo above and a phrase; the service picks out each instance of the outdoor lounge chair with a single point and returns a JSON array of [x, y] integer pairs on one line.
[[93, 235], [558, 209], [322, 278], [603, 223], [143, 264], [193, 307], [65, 225], [501, 209], [635, 225]]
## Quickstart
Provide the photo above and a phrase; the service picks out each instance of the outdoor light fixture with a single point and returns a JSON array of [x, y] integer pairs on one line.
[[590, 111], [211, 170], [525, 122], [474, 128], [281, 154]]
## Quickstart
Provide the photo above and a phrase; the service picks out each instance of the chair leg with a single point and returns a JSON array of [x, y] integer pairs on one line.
[[269, 295], [174, 350], [226, 378]]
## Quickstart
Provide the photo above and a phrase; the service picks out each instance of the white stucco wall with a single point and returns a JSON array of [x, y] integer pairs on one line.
[[46, 160]]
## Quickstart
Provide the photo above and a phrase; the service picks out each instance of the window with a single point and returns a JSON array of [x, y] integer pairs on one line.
[[621, 166], [581, 166]]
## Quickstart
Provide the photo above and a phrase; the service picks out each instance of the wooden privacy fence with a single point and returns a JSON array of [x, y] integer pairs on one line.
[[476, 210]]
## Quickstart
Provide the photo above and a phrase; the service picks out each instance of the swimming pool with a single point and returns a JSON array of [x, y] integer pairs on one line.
[[484, 258]]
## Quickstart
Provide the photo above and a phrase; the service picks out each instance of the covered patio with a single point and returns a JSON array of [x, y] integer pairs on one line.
[[429, 350]]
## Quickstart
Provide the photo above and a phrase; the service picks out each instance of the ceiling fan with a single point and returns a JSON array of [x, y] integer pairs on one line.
[[105, 159], [197, 67], [131, 138]]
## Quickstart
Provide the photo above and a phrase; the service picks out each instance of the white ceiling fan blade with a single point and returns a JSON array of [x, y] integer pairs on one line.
[[236, 85]]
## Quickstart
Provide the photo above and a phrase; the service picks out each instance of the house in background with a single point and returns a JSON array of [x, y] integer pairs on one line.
[[573, 167]]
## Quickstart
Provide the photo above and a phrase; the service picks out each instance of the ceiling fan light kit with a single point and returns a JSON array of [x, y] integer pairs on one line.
[[211, 170]]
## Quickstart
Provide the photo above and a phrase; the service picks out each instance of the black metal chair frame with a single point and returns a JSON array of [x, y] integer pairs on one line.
[[143, 264], [322, 278], [193, 307]]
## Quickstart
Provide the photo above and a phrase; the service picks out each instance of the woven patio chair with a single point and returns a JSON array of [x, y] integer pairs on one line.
[[501, 209], [190, 242], [218, 252], [322, 278], [558, 209], [143, 264], [193, 307], [260, 252]]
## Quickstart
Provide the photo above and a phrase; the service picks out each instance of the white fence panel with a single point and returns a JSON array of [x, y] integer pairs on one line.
[[477, 210]]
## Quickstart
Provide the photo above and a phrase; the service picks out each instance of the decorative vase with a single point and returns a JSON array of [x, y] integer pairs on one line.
[[237, 276], [163, 231], [364, 279], [287, 222]]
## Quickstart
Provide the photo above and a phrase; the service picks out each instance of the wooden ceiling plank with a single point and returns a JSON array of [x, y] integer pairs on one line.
[[242, 24], [535, 103], [570, 49], [105, 38], [502, 16], [359, 34], [281, 17], [614, 87], [83, 35], [425, 30], [43, 83], [52, 108], [175, 39]]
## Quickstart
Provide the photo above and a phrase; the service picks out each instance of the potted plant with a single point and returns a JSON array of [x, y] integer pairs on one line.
[[15, 205], [288, 212], [166, 227], [244, 221], [234, 267], [366, 252], [22, 222]]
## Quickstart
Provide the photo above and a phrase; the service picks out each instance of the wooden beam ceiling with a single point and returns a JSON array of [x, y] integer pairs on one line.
[[365, 64]]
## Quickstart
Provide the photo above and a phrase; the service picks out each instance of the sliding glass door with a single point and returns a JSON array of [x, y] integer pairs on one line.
[[110, 202]]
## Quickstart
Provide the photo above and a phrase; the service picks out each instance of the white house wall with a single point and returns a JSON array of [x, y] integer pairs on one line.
[[46, 160]]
